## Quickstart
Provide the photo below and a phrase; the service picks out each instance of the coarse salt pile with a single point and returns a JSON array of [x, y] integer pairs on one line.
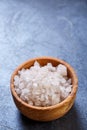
[[43, 85]]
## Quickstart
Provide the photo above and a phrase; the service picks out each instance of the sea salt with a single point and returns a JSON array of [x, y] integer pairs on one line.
[[43, 85]]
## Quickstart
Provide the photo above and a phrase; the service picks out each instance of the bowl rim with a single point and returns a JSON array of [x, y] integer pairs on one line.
[[65, 101]]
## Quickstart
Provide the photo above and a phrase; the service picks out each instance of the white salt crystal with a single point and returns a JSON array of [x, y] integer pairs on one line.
[[43, 86], [62, 70], [35, 85]]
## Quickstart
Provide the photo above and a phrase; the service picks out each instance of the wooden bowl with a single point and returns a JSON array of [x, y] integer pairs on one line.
[[51, 112]]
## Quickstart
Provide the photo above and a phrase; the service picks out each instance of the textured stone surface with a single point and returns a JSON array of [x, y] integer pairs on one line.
[[36, 28]]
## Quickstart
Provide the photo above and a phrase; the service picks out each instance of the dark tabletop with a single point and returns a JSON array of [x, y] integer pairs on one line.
[[31, 28]]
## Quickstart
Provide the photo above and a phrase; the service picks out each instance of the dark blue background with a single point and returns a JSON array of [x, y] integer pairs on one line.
[[31, 28]]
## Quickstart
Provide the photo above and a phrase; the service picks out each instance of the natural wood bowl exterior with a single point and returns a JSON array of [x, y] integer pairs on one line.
[[51, 112]]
